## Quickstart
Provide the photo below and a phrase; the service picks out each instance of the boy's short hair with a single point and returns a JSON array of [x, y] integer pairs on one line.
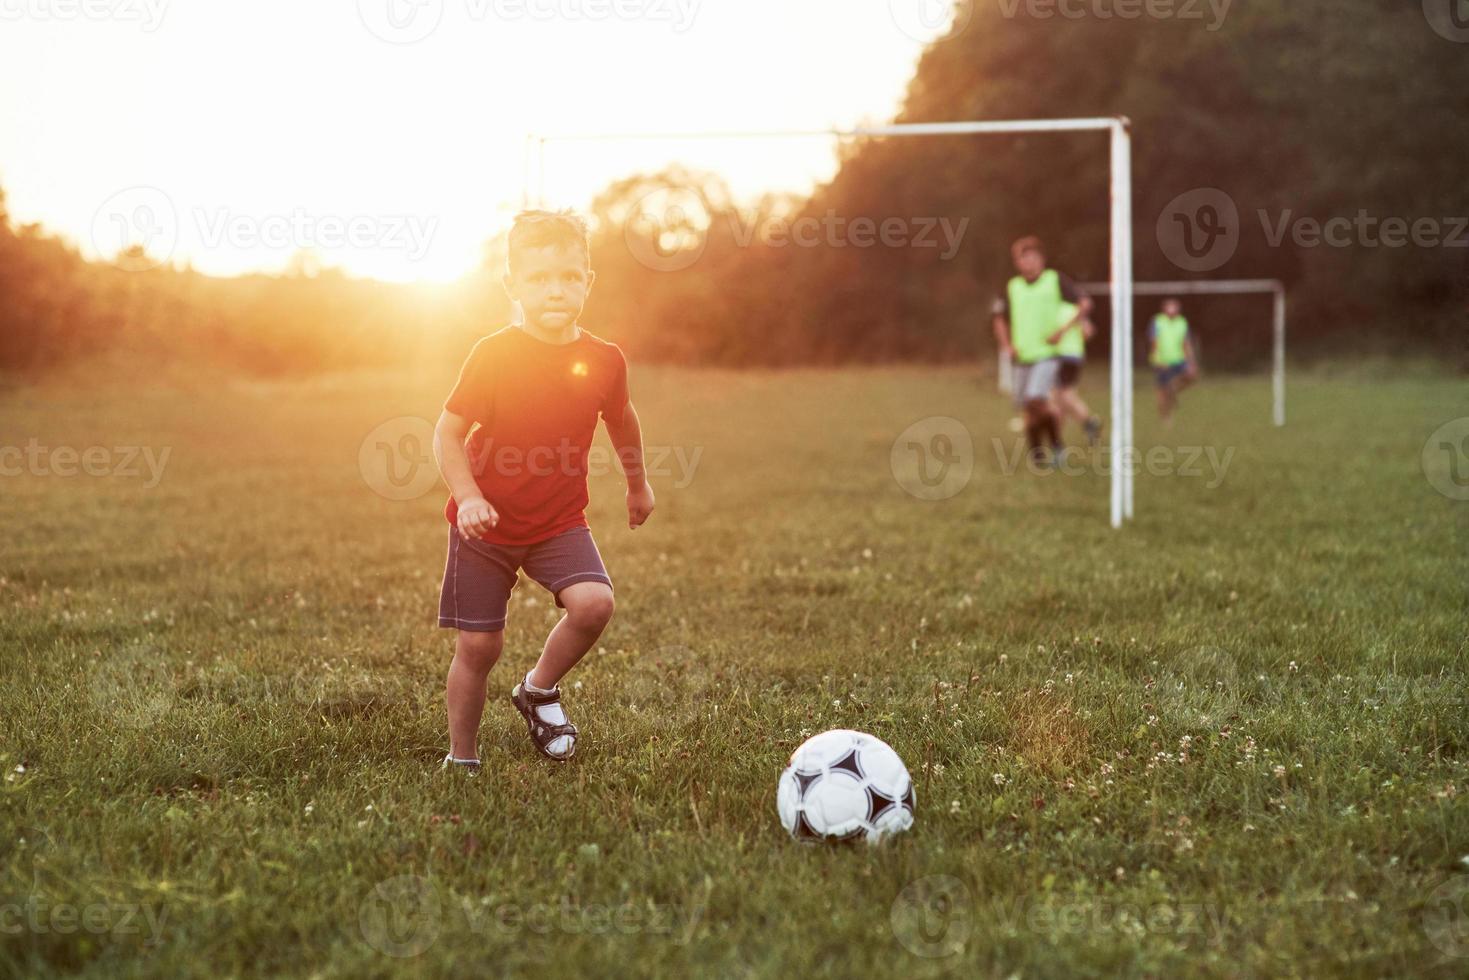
[[1030, 243], [542, 229]]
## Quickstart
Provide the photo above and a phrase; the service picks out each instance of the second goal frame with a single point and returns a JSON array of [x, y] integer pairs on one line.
[[1120, 264], [1230, 287]]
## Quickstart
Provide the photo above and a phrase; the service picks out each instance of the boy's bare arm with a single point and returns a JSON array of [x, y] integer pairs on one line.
[[1188, 352], [1002, 335], [627, 440], [476, 516]]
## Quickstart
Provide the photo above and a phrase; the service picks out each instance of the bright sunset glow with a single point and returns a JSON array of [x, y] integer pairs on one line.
[[387, 137]]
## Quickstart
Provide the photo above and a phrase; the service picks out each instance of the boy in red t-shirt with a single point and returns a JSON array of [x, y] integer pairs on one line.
[[531, 393]]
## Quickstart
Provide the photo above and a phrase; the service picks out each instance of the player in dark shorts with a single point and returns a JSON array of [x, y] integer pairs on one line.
[[1171, 352], [1074, 329]]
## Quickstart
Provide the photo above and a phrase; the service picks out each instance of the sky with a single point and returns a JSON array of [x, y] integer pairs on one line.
[[388, 137]]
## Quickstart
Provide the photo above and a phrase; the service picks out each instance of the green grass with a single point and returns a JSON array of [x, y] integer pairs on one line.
[[226, 694]]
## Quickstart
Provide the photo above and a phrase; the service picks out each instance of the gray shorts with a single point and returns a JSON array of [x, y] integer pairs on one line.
[[479, 576], [1033, 382]]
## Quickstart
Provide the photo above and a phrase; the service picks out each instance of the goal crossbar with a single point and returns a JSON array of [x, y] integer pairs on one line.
[[1120, 270]]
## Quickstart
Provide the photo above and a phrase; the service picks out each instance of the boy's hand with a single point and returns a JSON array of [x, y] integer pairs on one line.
[[476, 516], [639, 503]]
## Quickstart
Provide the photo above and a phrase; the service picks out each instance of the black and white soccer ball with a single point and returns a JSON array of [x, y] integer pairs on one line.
[[843, 785]]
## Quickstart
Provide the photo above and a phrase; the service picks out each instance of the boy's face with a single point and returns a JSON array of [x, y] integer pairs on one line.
[[1172, 308], [1030, 263], [551, 284]]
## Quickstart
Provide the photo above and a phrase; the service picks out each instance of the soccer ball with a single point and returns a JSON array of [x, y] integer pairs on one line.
[[845, 786]]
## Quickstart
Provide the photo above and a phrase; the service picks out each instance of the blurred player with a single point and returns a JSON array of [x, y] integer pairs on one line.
[[1025, 317], [1171, 353], [1075, 329]]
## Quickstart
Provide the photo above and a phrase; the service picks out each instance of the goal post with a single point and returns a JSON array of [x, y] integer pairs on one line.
[[1215, 287], [1120, 282]]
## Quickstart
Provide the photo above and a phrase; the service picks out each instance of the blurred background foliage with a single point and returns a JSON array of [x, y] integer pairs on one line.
[[1295, 110]]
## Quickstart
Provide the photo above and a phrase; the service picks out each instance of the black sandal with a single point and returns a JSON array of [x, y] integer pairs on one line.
[[542, 733]]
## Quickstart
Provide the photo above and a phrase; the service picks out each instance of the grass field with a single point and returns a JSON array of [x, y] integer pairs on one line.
[[1229, 740]]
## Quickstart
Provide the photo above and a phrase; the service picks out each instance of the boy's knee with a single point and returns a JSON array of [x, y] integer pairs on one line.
[[481, 650], [591, 610]]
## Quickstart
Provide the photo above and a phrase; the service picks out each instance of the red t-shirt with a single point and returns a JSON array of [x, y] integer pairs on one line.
[[535, 408]]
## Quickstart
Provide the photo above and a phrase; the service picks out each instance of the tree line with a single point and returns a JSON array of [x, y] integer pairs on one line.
[[1336, 137]]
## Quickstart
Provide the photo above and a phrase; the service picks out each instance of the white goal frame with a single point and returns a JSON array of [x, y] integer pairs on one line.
[[1120, 271], [1215, 287]]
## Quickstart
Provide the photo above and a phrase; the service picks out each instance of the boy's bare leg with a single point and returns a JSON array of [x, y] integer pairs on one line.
[[588, 611], [1072, 405], [464, 692], [1165, 402]]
